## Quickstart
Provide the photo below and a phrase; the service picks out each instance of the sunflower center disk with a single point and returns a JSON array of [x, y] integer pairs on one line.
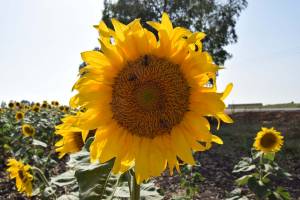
[[28, 130], [78, 140], [150, 96], [268, 140]]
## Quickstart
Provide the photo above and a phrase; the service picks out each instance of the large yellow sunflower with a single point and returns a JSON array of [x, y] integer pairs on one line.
[[21, 173], [148, 97], [28, 130], [73, 137], [268, 140]]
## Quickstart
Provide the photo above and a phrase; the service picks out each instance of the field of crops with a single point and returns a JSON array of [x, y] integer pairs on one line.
[[211, 178]]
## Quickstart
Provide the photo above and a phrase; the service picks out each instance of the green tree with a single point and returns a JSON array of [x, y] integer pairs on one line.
[[217, 18]]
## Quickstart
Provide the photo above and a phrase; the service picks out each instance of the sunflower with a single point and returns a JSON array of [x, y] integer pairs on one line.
[[21, 173], [61, 108], [73, 137], [11, 105], [36, 108], [19, 115], [66, 109], [44, 104], [18, 104], [268, 140], [148, 98], [37, 104], [28, 130]]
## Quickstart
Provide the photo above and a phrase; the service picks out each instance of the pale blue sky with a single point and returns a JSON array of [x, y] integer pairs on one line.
[[41, 41]]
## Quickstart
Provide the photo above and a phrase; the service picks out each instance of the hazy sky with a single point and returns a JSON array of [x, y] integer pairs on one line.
[[41, 41]]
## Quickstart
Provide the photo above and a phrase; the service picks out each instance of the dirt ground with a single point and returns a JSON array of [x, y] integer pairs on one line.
[[215, 166]]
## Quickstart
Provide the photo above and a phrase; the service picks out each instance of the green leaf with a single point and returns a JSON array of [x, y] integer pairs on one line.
[[257, 154], [243, 180], [244, 169], [244, 165], [96, 181], [148, 191], [269, 156], [78, 159], [66, 178], [258, 188], [72, 196], [88, 143], [39, 143], [268, 168], [283, 193]]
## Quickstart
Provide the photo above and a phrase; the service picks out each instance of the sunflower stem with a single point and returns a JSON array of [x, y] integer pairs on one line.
[[260, 166], [41, 175], [134, 187]]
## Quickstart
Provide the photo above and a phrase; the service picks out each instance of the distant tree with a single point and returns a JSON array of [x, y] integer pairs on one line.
[[217, 18]]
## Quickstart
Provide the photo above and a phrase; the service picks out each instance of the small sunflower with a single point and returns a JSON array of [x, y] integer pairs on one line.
[[56, 103], [268, 140], [36, 108], [61, 108], [37, 104], [66, 109], [22, 174], [11, 105], [28, 130], [18, 104], [44, 105], [148, 97], [73, 137], [19, 115], [49, 106]]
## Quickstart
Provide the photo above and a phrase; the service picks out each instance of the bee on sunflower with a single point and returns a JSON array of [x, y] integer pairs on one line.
[[268, 140], [148, 98], [19, 115], [28, 130], [21, 172]]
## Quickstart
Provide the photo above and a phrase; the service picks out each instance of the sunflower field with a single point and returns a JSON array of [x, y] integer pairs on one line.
[[147, 121]]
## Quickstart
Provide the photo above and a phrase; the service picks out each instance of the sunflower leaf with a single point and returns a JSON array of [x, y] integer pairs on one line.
[[269, 156], [39, 143], [96, 181]]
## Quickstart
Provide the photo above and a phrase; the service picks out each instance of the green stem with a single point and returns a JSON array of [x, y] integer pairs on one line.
[[47, 160], [260, 166], [135, 188], [41, 175]]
